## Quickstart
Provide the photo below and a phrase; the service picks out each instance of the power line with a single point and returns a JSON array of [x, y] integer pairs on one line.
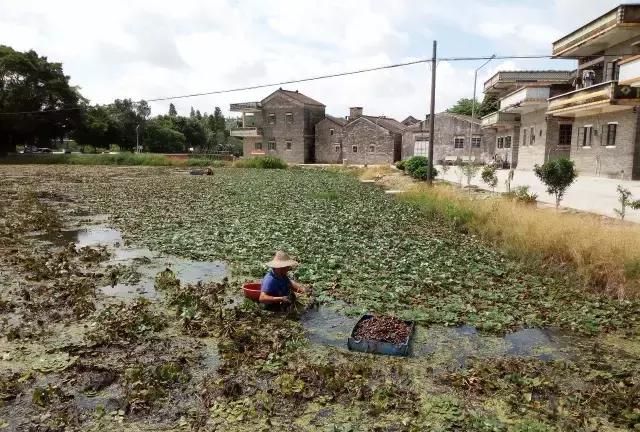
[[335, 75]]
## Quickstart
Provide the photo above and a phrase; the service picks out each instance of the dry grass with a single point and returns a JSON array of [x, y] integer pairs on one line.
[[604, 252]]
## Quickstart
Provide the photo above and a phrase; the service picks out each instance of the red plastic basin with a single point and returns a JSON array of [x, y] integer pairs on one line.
[[252, 290]]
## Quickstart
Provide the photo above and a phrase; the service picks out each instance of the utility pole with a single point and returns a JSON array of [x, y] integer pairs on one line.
[[432, 115], [137, 139], [473, 105]]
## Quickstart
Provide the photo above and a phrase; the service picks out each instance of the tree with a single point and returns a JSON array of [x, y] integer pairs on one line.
[[98, 128], [172, 110], [625, 199], [30, 83], [489, 176], [160, 138], [192, 113], [489, 104], [470, 170], [463, 106], [557, 175]]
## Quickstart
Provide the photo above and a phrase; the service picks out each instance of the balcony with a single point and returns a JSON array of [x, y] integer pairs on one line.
[[525, 99], [614, 27], [630, 72], [245, 107], [506, 81], [500, 119], [605, 97], [246, 132]]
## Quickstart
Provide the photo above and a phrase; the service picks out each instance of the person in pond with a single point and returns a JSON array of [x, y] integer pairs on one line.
[[277, 291]]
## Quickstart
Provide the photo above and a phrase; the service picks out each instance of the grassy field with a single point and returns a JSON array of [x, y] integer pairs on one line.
[[124, 158], [361, 249]]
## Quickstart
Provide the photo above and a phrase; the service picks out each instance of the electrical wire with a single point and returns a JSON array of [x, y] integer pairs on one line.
[[321, 77]]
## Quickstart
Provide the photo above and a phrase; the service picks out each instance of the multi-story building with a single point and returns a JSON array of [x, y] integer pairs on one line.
[[282, 125], [329, 137], [359, 139], [603, 108], [525, 136], [454, 133]]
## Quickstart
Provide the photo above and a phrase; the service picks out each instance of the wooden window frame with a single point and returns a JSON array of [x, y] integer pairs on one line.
[[477, 139], [288, 118], [288, 144], [508, 139], [257, 145], [271, 118], [455, 142], [354, 149], [608, 143], [271, 145], [560, 135]]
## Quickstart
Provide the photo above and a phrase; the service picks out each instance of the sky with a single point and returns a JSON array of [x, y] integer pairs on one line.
[[143, 49]]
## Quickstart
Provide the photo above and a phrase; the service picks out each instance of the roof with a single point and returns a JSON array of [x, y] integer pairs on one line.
[[506, 80], [424, 124], [409, 121], [388, 123], [339, 120], [297, 96]]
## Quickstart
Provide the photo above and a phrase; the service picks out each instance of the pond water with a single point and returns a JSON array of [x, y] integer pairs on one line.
[[447, 345], [142, 260]]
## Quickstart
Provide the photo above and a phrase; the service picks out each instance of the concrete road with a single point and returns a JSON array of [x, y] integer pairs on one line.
[[592, 194]]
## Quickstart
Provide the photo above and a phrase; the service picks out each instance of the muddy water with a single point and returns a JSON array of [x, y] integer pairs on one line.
[[450, 346], [142, 260]]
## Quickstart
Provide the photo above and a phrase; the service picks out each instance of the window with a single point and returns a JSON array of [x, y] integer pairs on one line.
[[421, 146], [524, 137], [500, 142], [507, 142], [564, 137], [331, 132], [532, 136], [458, 142], [271, 146], [354, 149], [288, 118], [257, 146], [475, 141], [272, 119], [287, 144], [586, 136], [372, 148], [336, 148], [612, 129]]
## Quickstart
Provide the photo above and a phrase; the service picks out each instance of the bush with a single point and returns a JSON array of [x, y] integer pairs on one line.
[[400, 165], [489, 176], [267, 162], [522, 194], [557, 175], [417, 167]]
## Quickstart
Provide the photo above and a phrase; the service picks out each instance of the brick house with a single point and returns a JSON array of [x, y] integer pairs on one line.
[[452, 135], [525, 135], [282, 125], [329, 137], [603, 107], [359, 139]]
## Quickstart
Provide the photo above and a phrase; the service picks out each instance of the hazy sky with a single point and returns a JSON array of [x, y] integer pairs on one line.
[[145, 49]]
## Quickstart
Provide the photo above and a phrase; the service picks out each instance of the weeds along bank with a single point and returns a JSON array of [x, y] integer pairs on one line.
[[126, 159], [604, 253]]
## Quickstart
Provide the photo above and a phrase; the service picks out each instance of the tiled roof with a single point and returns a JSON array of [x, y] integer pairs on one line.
[[409, 121], [388, 123], [341, 121], [301, 98]]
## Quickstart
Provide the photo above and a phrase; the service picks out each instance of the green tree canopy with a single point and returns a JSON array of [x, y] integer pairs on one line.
[[172, 110], [464, 106], [31, 84]]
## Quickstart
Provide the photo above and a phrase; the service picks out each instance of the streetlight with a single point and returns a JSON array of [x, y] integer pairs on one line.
[[473, 104], [137, 139]]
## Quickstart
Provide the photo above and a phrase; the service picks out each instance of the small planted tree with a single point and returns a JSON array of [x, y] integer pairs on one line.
[[508, 180], [557, 175], [459, 172], [625, 199], [489, 176], [470, 170]]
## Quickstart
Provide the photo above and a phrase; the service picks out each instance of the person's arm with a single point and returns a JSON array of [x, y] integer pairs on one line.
[[269, 299], [298, 287]]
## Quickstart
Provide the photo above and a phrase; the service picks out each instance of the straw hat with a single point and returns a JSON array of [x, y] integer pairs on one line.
[[280, 260]]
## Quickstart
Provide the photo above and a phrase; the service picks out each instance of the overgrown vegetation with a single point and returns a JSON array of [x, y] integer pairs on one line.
[[606, 256], [489, 176], [124, 158], [264, 162], [625, 199], [418, 168]]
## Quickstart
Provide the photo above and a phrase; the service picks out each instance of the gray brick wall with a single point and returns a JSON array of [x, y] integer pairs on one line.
[[362, 133], [529, 153], [614, 162], [446, 128], [325, 142]]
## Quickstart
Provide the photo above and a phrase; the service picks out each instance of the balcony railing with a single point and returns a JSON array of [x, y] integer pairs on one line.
[[630, 72], [500, 118], [603, 97], [526, 96], [245, 107], [244, 132]]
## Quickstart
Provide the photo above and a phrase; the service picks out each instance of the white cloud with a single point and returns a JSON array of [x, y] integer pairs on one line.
[[147, 49]]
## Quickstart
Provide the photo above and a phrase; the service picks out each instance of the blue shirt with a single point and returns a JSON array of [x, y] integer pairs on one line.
[[276, 286]]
